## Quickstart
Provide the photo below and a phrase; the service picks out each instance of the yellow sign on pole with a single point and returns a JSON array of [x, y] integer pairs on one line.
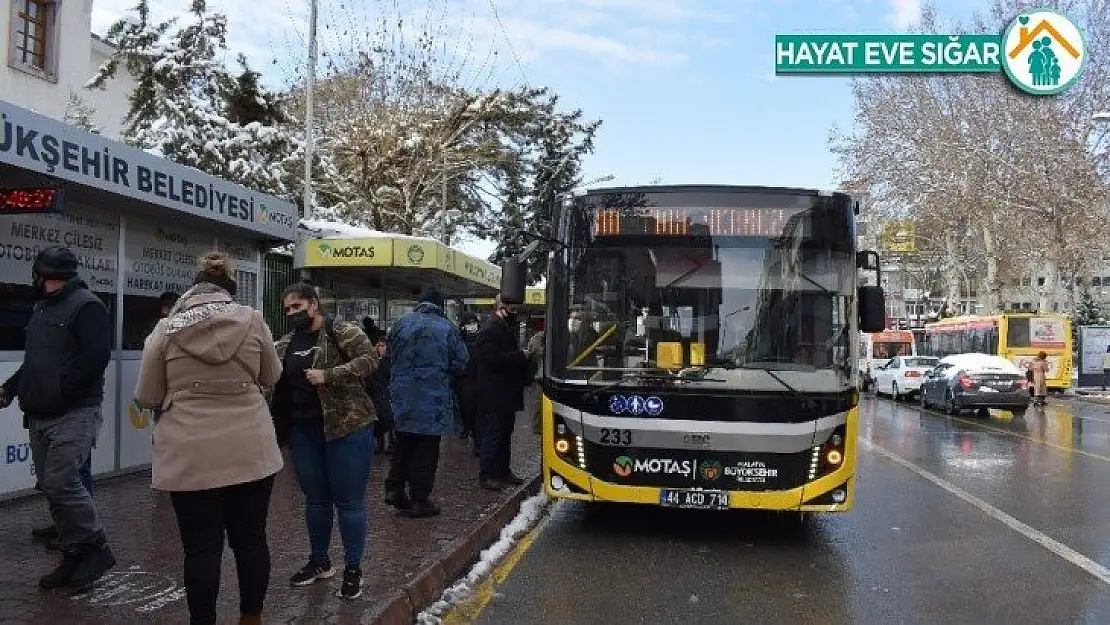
[[898, 236]]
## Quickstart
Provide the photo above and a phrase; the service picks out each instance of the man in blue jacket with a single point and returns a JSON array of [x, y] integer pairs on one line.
[[427, 353]]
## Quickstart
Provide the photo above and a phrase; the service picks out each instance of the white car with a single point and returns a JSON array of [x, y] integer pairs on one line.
[[901, 376]]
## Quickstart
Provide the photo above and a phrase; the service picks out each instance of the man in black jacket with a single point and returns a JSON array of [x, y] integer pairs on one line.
[[60, 387], [502, 375]]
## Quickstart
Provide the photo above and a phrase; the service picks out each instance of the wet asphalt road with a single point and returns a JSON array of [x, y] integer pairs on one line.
[[956, 521]]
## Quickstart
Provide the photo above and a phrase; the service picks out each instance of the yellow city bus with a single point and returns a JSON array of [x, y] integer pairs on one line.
[[721, 370], [1018, 337]]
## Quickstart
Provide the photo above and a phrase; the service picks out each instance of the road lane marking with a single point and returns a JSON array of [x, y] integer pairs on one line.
[[1067, 553], [1048, 443], [468, 610]]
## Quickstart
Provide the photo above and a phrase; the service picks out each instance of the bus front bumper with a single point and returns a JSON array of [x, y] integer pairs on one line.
[[831, 493]]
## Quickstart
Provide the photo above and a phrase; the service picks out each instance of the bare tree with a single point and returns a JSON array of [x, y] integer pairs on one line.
[[1012, 179]]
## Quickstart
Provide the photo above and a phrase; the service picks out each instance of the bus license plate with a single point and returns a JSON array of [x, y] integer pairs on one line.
[[699, 499]]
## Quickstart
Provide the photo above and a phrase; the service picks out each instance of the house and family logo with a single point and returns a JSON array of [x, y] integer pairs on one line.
[[1045, 52], [1041, 51]]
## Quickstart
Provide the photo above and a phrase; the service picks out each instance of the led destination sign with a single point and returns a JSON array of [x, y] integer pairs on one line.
[[693, 221]]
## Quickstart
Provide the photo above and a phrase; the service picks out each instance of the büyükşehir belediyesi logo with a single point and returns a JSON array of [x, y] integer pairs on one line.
[[1043, 52]]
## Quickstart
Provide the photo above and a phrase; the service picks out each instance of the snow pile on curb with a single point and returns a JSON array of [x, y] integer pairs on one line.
[[531, 510]]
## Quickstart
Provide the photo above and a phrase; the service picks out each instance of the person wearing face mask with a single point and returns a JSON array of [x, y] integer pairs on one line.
[[60, 387], [466, 385], [321, 406], [502, 376]]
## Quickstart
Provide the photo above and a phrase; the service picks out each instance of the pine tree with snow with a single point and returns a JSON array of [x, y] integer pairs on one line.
[[80, 114], [1087, 311], [189, 108]]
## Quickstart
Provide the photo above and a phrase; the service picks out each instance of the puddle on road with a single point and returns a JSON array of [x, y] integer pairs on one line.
[[141, 590]]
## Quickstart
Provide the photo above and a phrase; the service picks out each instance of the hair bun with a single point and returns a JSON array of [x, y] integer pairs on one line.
[[215, 263]]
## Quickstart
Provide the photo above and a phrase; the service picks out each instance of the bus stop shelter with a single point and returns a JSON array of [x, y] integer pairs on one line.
[[363, 272], [138, 225]]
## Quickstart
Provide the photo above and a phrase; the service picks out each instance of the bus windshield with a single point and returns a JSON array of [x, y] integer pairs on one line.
[[760, 305]]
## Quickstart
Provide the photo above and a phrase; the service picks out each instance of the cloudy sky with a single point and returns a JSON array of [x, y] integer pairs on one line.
[[686, 88]]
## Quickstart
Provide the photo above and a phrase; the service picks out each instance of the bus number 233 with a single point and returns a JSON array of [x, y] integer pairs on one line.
[[615, 436]]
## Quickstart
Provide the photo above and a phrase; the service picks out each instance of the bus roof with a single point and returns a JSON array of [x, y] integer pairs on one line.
[[992, 318], [710, 188]]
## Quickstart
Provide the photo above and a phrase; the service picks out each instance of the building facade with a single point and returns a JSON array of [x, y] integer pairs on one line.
[[50, 54]]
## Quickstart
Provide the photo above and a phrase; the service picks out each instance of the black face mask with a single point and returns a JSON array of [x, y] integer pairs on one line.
[[301, 320]]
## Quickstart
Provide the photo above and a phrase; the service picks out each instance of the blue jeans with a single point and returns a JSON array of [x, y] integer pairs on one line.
[[333, 476]]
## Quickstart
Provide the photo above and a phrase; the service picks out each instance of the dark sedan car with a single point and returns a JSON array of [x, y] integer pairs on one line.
[[974, 382]]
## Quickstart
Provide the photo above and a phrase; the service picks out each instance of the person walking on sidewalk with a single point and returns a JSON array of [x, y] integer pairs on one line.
[[427, 352], [1039, 367], [466, 385], [60, 387], [203, 372], [502, 376], [321, 405]]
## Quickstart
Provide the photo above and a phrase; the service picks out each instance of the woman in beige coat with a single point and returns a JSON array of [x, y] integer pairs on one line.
[[203, 371], [1039, 367]]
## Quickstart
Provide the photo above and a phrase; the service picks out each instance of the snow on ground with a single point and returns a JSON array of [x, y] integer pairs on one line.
[[530, 512]]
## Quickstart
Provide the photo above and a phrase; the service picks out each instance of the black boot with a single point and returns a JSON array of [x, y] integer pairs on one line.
[[62, 575], [398, 499], [92, 564], [421, 509], [44, 534]]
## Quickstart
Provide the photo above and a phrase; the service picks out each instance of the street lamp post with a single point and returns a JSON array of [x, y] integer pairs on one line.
[[309, 88]]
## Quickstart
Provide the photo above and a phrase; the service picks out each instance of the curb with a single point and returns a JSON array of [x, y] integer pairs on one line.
[[429, 584]]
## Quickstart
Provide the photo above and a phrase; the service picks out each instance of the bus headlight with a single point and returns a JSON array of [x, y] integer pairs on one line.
[[828, 456], [569, 447]]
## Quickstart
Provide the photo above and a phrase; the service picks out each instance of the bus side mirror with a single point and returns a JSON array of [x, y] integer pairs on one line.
[[514, 281], [872, 309]]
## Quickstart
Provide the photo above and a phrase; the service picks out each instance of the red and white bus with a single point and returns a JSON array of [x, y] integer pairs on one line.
[[876, 349]]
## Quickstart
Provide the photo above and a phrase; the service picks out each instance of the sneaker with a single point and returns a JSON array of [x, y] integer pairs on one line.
[[422, 509], [44, 534], [352, 583], [91, 566], [312, 573], [60, 576]]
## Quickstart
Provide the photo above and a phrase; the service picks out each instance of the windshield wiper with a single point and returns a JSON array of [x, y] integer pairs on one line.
[[597, 388], [774, 376], [824, 291]]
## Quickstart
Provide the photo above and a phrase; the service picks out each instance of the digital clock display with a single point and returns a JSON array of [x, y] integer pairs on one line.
[[709, 222], [28, 200]]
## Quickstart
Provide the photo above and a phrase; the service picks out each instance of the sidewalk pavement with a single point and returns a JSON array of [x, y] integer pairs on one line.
[[146, 586]]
